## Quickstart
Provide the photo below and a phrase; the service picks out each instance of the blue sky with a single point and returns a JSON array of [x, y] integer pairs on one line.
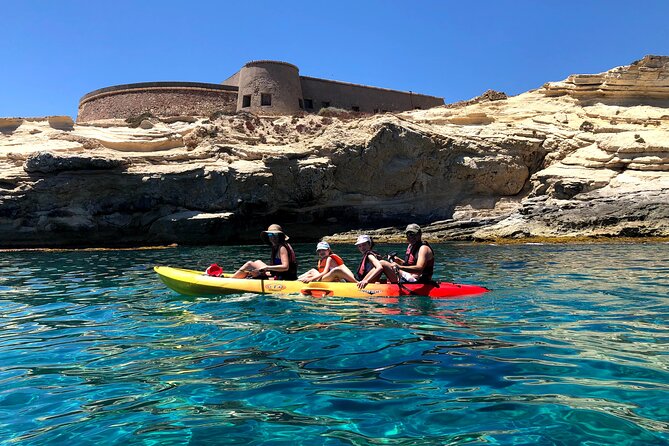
[[55, 52]]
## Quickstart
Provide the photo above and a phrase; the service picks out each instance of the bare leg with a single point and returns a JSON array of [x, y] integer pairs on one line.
[[308, 276], [249, 267], [389, 271], [339, 273]]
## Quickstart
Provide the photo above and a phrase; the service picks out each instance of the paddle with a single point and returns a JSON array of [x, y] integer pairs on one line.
[[400, 280], [400, 283], [262, 277]]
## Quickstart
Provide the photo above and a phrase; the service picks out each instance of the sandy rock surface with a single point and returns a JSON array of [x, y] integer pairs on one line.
[[556, 161]]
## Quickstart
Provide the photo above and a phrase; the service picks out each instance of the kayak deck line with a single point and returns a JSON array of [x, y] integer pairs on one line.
[[195, 283]]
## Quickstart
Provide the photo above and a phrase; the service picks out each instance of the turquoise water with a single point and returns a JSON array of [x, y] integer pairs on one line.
[[570, 347]]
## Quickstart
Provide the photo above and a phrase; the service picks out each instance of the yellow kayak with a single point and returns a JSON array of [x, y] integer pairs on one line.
[[197, 283]]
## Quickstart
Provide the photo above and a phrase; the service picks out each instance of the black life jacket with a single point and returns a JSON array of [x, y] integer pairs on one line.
[[365, 265], [291, 274], [411, 258]]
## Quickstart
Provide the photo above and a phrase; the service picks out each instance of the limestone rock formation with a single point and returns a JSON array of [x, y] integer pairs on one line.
[[558, 161], [645, 81]]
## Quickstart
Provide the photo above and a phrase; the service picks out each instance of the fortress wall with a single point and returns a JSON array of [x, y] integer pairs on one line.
[[159, 99], [263, 87], [280, 80], [368, 99]]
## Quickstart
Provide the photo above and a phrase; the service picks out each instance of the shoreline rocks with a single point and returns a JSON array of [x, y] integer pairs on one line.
[[546, 163]]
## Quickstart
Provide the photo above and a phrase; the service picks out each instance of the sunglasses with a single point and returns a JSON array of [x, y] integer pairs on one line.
[[411, 233], [269, 234]]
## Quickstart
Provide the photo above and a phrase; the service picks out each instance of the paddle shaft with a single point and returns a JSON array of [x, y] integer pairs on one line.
[[400, 283]]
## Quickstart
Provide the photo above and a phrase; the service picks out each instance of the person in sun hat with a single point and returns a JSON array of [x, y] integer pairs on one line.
[[418, 263], [283, 263], [327, 260], [370, 268]]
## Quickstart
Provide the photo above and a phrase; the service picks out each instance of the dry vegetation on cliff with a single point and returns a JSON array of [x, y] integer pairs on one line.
[[557, 161]]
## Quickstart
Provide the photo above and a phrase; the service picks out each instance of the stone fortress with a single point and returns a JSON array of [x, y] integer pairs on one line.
[[262, 87]]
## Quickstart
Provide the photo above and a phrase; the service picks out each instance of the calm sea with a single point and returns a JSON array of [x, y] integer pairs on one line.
[[571, 347]]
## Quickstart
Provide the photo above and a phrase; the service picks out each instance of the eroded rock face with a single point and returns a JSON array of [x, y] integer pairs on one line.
[[537, 164], [49, 162]]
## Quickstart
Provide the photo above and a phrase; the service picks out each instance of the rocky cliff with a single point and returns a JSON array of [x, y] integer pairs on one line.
[[588, 156]]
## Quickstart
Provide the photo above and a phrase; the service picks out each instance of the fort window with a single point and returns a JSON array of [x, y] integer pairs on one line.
[[299, 101], [246, 100], [308, 103], [355, 108], [325, 104], [265, 99]]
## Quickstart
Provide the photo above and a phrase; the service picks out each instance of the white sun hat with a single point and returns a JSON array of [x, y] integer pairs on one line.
[[363, 239]]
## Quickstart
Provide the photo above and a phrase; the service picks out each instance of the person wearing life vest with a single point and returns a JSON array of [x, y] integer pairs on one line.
[[327, 260], [283, 263], [418, 263], [370, 268]]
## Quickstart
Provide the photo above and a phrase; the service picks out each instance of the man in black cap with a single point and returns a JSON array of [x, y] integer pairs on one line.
[[418, 263]]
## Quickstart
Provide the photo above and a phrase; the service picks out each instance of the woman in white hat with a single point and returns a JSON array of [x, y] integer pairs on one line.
[[327, 260], [283, 263], [370, 268]]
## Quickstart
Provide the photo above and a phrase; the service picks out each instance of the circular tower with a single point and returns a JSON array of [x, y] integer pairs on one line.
[[268, 87]]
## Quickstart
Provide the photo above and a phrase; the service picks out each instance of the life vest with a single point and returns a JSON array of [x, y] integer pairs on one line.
[[291, 274], [365, 265], [411, 258], [321, 262]]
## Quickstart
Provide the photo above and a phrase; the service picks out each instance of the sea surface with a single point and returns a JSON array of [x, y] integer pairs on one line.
[[570, 348]]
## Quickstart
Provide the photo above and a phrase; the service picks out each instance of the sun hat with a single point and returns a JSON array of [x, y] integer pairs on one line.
[[413, 227], [214, 270], [273, 229], [322, 245], [363, 239]]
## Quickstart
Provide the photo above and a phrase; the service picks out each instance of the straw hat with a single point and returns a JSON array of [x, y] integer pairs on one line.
[[273, 229]]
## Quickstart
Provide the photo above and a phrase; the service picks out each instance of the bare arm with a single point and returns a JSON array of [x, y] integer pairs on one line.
[[373, 273], [329, 264], [424, 254], [285, 262]]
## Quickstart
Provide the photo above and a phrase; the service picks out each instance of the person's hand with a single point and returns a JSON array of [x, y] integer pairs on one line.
[[362, 284]]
